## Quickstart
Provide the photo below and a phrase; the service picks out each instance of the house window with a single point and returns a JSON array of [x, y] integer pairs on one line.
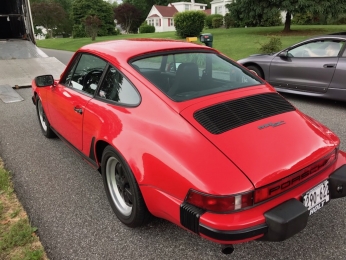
[[215, 10], [157, 22], [219, 11], [170, 22], [187, 7], [201, 7]]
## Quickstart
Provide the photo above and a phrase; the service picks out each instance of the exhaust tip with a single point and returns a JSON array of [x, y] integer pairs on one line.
[[227, 249]]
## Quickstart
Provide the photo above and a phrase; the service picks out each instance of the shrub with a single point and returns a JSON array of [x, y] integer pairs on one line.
[[189, 23], [341, 19], [229, 22], [146, 28], [274, 45], [78, 31], [307, 19], [117, 31], [209, 20], [217, 22]]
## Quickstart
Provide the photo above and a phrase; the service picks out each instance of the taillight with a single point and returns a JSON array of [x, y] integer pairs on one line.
[[220, 204], [280, 186]]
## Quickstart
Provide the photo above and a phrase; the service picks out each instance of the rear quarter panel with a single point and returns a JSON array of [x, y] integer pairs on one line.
[[163, 150]]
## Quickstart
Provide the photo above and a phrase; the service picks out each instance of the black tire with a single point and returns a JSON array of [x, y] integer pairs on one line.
[[256, 70], [43, 120], [122, 190]]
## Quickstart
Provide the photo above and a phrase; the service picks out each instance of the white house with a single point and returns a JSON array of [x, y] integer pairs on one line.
[[162, 16], [219, 6], [189, 6]]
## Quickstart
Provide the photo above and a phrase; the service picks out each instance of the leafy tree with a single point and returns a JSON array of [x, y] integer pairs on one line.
[[128, 17], [92, 25], [84, 8], [42, 15], [65, 4], [259, 10]]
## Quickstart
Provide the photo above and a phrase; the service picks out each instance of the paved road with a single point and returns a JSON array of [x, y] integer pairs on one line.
[[63, 56], [65, 199]]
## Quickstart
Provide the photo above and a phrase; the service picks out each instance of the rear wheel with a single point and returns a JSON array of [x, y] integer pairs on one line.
[[122, 190], [42, 118], [255, 70]]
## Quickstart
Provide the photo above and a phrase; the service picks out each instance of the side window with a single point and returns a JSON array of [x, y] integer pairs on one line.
[[150, 63], [316, 49], [68, 77], [227, 73], [221, 69], [116, 87], [344, 54], [85, 74]]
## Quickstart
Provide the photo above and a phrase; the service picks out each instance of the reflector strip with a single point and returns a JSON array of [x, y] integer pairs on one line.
[[287, 183]]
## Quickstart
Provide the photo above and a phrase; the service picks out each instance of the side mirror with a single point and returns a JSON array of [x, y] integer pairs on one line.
[[283, 54], [44, 81]]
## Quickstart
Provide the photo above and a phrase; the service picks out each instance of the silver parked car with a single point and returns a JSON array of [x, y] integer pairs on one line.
[[314, 67]]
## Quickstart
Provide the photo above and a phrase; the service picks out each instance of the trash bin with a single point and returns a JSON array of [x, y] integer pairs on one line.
[[207, 39]]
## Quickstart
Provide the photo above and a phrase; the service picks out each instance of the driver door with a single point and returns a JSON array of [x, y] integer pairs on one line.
[[300, 71], [68, 99]]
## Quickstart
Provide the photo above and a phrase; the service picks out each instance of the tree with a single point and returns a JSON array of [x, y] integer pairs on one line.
[[257, 10], [42, 15], [92, 25], [84, 8], [65, 4], [128, 17]]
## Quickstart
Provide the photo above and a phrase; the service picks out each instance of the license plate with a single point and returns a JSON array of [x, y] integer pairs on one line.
[[317, 197]]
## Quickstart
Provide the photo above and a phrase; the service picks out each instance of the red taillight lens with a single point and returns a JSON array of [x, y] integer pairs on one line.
[[295, 179], [219, 203]]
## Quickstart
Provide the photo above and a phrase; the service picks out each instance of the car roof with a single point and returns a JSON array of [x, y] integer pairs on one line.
[[338, 35], [126, 49]]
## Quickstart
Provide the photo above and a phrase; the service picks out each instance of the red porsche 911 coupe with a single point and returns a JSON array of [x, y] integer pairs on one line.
[[182, 132]]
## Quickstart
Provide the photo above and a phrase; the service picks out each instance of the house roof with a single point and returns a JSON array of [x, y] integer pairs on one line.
[[166, 11], [153, 15]]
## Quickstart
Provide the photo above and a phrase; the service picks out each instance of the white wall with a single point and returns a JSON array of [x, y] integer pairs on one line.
[[219, 6], [189, 6]]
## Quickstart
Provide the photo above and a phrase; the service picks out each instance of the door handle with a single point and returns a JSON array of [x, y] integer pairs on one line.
[[329, 65], [78, 110]]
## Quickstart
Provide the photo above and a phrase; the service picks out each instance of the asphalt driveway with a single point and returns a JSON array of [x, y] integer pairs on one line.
[[65, 199]]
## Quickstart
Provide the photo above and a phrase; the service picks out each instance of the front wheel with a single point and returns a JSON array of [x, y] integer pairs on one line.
[[42, 118], [255, 70], [122, 190]]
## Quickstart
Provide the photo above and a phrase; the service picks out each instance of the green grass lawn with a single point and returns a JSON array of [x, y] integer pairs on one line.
[[236, 43]]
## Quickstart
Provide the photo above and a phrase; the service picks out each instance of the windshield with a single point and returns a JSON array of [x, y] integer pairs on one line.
[[188, 75]]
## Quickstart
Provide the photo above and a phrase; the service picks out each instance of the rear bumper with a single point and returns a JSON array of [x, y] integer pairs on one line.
[[280, 222]]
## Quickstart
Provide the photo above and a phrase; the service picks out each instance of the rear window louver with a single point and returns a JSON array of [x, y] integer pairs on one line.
[[225, 116]]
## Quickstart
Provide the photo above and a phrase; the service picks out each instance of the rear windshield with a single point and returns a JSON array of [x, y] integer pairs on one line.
[[188, 75]]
